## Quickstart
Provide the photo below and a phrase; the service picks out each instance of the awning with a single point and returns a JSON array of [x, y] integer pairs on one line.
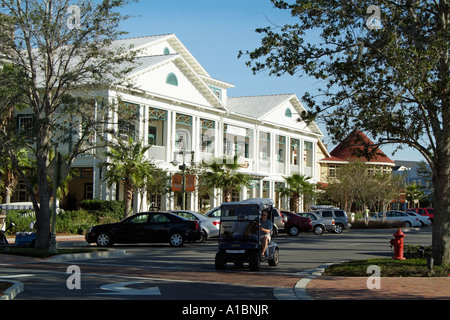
[[17, 206]]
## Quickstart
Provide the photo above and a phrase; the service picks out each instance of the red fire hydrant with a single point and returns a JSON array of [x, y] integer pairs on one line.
[[398, 245]]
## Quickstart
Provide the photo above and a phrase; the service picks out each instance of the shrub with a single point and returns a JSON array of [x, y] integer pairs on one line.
[[105, 210], [75, 222], [360, 224]]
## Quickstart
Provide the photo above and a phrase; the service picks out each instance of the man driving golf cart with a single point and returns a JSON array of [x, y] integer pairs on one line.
[[245, 234]]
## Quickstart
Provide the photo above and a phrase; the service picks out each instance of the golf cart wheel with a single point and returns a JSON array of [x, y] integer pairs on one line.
[[220, 261], [293, 231], [104, 239], [254, 261], [176, 239], [318, 230], [276, 258]]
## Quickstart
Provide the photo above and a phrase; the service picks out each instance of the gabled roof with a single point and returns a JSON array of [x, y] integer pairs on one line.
[[255, 106], [145, 64], [140, 43], [258, 107], [355, 147]]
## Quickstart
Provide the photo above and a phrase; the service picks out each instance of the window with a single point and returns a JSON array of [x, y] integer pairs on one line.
[[88, 191], [264, 146], [152, 135], [25, 123], [172, 79], [166, 51], [333, 171], [217, 92], [128, 115], [159, 218], [288, 113], [142, 218], [295, 146], [281, 140]]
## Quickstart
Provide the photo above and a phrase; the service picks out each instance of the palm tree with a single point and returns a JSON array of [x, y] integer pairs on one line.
[[126, 161], [297, 185], [413, 193], [224, 175]]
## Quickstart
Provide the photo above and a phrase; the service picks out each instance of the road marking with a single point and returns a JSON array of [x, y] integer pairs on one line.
[[16, 276], [120, 288]]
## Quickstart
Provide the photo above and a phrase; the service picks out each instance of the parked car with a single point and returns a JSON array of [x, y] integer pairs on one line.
[[294, 223], [320, 224], [424, 220], [393, 215], [278, 221], [209, 228], [339, 216], [214, 213], [429, 212], [146, 227]]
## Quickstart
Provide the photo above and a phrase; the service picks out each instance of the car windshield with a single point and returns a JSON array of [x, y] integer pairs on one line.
[[239, 223]]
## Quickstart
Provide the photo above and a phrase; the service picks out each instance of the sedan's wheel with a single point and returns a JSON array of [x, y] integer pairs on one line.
[[176, 240], [293, 231], [204, 236], [408, 224], [104, 239]]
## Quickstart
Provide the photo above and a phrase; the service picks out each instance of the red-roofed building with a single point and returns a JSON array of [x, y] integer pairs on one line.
[[356, 146]]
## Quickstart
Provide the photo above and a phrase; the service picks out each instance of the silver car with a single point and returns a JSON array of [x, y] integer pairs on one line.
[[210, 229], [320, 224], [424, 220]]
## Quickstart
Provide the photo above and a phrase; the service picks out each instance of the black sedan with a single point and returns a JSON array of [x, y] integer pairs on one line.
[[146, 227]]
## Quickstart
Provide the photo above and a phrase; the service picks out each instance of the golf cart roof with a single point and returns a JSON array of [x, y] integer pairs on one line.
[[261, 202], [17, 206]]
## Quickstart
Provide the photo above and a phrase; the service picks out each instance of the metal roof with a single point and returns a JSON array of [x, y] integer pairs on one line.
[[256, 106]]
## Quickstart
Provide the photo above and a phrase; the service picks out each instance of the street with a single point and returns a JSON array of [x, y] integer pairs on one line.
[[161, 272]]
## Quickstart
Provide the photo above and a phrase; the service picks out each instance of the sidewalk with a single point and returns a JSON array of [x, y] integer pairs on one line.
[[355, 288]]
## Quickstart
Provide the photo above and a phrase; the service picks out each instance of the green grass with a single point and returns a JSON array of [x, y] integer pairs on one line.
[[43, 253], [388, 268]]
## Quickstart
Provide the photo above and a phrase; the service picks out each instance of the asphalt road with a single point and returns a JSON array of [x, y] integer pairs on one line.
[[161, 272]]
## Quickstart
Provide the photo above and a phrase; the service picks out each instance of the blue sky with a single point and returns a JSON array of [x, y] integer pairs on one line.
[[214, 31]]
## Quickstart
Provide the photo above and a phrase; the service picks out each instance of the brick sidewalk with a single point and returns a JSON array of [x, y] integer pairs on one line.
[[355, 288]]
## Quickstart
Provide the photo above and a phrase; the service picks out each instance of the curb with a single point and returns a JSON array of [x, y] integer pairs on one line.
[[301, 286], [12, 291], [299, 291]]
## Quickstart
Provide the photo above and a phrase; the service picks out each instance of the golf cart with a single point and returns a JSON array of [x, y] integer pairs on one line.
[[240, 234], [23, 239]]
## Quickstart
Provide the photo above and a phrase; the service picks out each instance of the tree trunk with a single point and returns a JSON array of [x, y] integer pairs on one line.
[[441, 222], [43, 215], [128, 197], [226, 195]]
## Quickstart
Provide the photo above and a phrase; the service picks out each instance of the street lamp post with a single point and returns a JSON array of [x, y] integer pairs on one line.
[[182, 167]]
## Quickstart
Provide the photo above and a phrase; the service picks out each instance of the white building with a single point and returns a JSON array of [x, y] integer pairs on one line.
[[178, 98]]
